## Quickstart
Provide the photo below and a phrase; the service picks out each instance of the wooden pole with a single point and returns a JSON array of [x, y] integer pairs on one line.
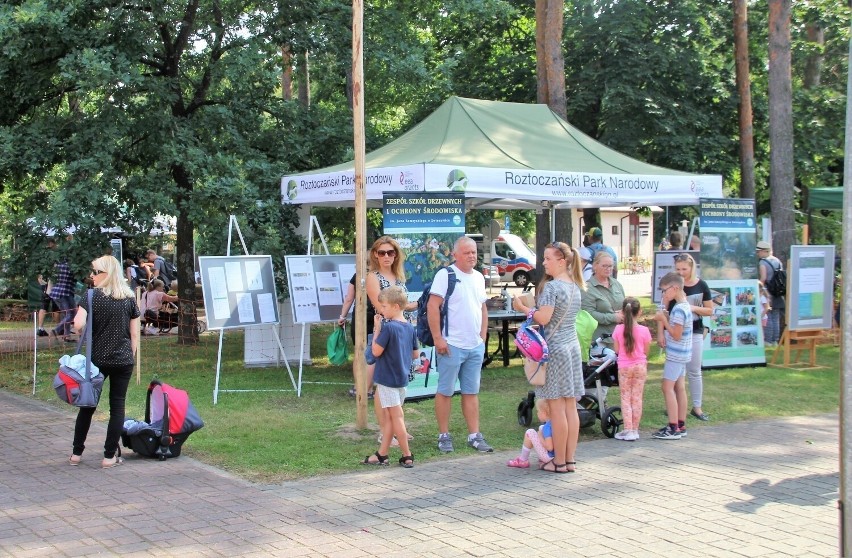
[[359, 364]]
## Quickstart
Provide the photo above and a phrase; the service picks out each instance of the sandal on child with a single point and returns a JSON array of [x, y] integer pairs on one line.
[[518, 463], [407, 461], [380, 460], [75, 460]]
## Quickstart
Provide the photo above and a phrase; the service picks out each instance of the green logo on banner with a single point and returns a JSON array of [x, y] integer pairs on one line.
[[457, 181]]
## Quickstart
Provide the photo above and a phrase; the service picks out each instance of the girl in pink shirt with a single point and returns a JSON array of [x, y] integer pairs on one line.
[[632, 342]]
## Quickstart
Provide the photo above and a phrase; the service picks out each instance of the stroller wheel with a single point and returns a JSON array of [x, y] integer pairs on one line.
[[612, 421]]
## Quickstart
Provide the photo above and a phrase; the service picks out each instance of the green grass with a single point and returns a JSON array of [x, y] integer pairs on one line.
[[273, 436]]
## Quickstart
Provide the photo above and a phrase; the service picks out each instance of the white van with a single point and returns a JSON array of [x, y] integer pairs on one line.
[[515, 260]]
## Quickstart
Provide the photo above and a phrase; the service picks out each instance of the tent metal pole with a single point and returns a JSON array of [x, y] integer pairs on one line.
[[846, 337]]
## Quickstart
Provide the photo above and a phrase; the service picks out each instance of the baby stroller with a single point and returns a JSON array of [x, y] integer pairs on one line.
[[169, 420], [600, 371]]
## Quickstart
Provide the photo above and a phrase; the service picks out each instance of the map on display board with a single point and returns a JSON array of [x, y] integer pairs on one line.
[[239, 291], [317, 286]]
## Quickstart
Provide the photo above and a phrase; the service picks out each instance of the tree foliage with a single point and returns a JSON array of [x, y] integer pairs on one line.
[[112, 113]]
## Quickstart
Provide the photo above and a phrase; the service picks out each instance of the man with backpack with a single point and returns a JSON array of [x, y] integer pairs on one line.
[[595, 245], [163, 270], [772, 275], [460, 343]]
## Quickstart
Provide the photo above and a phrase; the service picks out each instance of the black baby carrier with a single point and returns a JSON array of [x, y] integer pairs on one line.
[[169, 420]]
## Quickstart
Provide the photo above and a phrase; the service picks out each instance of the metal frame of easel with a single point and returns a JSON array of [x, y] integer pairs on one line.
[[232, 224]]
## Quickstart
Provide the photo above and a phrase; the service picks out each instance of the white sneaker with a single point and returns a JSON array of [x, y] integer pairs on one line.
[[151, 331], [632, 435], [622, 435]]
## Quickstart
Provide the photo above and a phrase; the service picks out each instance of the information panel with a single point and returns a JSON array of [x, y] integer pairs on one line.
[[810, 287], [239, 291], [317, 286]]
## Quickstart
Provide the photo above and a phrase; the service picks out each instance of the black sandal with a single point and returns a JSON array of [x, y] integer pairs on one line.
[[407, 461], [382, 460], [567, 470], [557, 467]]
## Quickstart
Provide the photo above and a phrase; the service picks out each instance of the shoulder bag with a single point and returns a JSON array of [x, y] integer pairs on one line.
[[80, 390]]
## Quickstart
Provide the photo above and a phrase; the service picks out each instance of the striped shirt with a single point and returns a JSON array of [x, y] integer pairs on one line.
[[680, 351]]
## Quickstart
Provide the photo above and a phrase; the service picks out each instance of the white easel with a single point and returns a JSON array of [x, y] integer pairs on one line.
[[232, 224], [313, 224]]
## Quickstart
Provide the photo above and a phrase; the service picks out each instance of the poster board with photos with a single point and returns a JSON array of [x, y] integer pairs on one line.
[[317, 285], [239, 291]]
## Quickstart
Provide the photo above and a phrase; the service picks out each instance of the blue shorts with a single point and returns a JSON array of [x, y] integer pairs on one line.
[[464, 365], [673, 370]]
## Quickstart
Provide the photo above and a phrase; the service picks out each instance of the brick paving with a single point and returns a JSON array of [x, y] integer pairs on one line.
[[763, 488]]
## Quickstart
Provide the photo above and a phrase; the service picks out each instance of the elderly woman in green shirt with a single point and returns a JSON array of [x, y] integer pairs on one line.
[[604, 295]]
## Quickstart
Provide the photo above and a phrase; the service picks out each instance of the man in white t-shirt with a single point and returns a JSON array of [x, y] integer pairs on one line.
[[459, 353]]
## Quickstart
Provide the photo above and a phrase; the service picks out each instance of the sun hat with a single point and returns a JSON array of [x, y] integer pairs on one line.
[[763, 245]]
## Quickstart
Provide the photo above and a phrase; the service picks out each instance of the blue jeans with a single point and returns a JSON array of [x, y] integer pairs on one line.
[[66, 309], [772, 329]]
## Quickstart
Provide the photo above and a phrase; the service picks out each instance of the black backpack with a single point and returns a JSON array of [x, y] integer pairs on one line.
[[777, 284], [169, 269], [424, 334]]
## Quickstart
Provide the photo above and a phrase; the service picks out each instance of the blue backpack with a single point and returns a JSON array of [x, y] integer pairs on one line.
[[424, 334]]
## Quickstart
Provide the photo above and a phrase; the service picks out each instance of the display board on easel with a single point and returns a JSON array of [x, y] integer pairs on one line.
[[239, 291], [317, 285], [809, 304]]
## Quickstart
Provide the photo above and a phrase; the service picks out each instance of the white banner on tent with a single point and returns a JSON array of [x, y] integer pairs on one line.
[[572, 188], [340, 185]]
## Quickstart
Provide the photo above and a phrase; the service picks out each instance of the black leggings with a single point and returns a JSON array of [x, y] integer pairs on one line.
[[119, 379]]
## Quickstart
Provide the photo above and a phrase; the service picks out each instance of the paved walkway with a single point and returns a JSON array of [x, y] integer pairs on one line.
[[765, 488]]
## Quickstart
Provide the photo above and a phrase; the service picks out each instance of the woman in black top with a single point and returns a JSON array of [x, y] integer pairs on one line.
[[700, 302], [115, 339]]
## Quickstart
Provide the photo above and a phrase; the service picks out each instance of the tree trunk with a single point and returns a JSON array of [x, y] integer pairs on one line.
[[813, 64], [286, 73], [185, 229], [542, 95], [781, 177], [747, 188], [554, 59], [304, 80]]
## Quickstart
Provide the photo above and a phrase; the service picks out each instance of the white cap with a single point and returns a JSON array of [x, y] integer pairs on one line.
[[585, 253]]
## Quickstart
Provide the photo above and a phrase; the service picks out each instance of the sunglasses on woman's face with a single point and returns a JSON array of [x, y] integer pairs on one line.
[[383, 253]]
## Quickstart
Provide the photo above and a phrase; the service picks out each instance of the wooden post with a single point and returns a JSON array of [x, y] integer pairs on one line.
[[359, 364]]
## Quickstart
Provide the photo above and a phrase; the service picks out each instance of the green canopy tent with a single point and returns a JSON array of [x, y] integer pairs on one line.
[[825, 198], [502, 155]]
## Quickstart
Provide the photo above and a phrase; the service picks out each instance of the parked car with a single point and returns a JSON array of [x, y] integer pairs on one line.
[[490, 272]]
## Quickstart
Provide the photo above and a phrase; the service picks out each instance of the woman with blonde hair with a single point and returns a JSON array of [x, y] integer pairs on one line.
[[115, 339], [558, 300]]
